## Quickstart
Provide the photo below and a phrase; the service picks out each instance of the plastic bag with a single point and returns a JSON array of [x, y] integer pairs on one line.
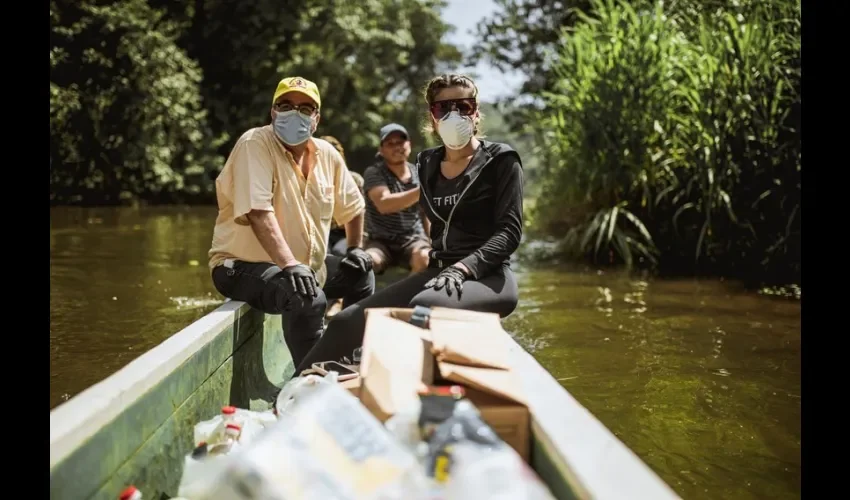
[[326, 446], [298, 388]]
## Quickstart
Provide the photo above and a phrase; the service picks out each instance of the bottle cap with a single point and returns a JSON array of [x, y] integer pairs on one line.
[[453, 391], [228, 410], [130, 493]]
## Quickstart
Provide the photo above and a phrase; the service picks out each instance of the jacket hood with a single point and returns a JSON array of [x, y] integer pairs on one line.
[[483, 156]]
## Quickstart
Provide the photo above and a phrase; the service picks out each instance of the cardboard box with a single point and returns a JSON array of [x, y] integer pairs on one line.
[[459, 347], [352, 386]]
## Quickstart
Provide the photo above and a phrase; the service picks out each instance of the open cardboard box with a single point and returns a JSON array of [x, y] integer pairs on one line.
[[352, 385], [459, 347]]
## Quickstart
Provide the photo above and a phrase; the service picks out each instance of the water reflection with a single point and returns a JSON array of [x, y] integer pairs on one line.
[[699, 378], [120, 283]]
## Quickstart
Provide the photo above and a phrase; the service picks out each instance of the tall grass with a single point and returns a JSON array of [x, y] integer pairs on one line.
[[673, 136]]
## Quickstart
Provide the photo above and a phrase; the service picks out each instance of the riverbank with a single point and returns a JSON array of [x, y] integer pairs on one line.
[[540, 254]]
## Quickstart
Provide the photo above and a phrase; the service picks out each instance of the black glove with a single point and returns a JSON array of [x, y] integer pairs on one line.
[[301, 279], [357, 258], [449, 278]]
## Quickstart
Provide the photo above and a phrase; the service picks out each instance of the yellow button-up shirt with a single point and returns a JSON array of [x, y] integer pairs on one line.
[[261, 174]]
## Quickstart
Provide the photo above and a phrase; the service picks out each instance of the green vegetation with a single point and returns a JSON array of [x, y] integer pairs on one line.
[[147, 97], [663, 135], [669, 133]]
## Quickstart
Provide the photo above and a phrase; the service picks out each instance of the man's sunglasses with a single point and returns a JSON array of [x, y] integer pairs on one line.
[[304, 109], [465, 107]]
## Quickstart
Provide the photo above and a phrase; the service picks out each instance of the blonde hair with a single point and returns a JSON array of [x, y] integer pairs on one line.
[[442, 82], [358, 179], [335, 143]]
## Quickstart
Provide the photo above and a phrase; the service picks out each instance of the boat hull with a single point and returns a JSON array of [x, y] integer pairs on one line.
[[136, 426]]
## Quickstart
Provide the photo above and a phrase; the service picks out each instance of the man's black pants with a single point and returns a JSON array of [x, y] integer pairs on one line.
[[260, 285]]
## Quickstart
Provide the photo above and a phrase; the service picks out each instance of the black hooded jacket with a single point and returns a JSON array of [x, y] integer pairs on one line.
[[485, 226]]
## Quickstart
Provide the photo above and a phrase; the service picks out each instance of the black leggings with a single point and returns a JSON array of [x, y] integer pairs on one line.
[[495, 293]]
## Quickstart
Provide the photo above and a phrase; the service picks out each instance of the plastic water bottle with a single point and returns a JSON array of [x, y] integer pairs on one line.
[[231, 436], [326, 446], [212, 430], [492, 472], [232, 431], [251, 423]]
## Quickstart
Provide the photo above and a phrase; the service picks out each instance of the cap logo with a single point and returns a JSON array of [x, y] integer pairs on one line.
[[299, 83]]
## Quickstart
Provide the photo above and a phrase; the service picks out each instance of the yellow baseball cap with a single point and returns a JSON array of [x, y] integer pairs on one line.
[[297, 84]]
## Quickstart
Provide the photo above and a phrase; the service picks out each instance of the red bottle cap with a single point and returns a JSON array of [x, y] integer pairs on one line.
[[129, 493]]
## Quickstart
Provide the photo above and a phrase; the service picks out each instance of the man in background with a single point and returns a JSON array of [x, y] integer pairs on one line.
[[397, 228], [336, 239], [337, 243]]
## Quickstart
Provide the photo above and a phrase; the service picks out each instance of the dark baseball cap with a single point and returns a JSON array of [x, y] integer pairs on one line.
[[386, 130]]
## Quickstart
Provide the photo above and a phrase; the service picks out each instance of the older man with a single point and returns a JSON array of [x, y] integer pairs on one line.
[[277, 195]]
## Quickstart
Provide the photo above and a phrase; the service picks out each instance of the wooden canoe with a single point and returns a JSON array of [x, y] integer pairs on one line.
[[135, 427]]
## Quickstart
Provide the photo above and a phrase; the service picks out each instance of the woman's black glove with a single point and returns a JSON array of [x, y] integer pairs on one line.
[[357, 258], [301, 280], [449, 278]]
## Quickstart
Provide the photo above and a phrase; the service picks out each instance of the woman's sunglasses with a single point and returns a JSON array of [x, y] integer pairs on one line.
[[465, 107]]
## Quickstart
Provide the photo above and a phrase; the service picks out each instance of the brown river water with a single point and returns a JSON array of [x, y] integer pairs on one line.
[[699, 377]]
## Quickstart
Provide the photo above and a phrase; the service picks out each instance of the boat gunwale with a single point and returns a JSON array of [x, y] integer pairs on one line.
[[80, 418], [583, 451]]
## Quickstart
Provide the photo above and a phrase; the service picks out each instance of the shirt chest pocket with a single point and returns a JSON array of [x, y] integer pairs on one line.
[[325, 200]]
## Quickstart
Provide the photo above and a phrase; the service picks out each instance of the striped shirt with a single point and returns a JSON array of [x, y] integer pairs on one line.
[[395, 226]]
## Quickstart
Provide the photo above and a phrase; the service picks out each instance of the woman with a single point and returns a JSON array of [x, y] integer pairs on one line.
[[471, 190]]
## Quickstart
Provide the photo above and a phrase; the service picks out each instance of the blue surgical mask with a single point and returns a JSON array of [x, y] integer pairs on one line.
[[293, 127]]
